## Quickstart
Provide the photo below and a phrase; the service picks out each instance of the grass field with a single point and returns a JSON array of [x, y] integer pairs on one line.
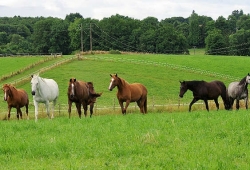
[[199, 140], [168, 137]]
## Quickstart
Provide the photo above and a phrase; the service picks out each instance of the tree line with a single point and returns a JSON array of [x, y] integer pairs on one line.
[[223, 36]]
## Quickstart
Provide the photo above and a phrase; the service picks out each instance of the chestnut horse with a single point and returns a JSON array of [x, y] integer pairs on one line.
[[134, 92], [81, 93], [16, 98], [205, 91]]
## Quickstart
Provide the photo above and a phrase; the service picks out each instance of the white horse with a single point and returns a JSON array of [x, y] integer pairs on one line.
[[238, 90], [44, 91]]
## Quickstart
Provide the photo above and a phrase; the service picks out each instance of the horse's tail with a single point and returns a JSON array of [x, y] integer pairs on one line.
[[224, 95], [145, 105]]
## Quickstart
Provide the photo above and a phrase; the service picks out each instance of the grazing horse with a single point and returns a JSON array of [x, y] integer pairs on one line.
[[205, 91], [44, 91], [16, 98], [238, 91], [134, 92], [83, 93]]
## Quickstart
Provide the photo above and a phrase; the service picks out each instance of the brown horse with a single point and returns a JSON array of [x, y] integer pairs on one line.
[[135, 92], [83, 93], [16, 98], [205, 91]]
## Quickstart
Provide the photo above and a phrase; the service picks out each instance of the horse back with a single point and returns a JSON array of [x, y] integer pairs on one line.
[[137, 90], [210, 90]]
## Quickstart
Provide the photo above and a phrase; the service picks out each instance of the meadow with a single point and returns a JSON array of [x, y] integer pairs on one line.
[[168, 137]]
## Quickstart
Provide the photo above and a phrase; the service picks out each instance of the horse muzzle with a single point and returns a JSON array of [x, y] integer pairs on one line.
[[181, 96], [33, 93]]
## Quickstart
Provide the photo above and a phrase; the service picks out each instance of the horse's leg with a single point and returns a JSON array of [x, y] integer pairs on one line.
[[206, 103], [140, 104], [216, 103], [17, 113], [85, 108], [47, 108], [231, 102], [192, 102], [126, 106], [122, 108], [53, 109], [20, 113], [36, 110], [9, 110], [78, 107], [27, 111], [246, 102], [237, 104], [69, 108], [91, 106]]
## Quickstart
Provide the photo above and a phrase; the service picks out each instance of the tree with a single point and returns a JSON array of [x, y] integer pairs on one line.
[[194, 30], [216, 43], [3, 38], [239, 43], [72, 16]]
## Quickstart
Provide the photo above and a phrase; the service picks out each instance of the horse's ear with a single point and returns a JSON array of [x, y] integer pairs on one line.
[[32, 76], [110, 75], [248, 74], [116, 75], [74, 79]]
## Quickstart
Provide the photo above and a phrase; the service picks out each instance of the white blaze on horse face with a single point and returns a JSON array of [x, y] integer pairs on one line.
[[111, 83], [72, 89], [5, 95]]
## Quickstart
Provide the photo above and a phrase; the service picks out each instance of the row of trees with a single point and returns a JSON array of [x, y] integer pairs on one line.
[[174, 35]]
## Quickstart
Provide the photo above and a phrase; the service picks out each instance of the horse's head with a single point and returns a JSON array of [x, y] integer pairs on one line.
[[183, 88], [248, 78], [34, 84], [6, 91], [72, 88], [114, 81]]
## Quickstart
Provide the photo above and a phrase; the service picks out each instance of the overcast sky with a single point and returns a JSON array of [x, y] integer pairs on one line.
[[137, 9]]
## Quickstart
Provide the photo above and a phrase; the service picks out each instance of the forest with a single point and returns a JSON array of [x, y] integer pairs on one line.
[[175, 35]]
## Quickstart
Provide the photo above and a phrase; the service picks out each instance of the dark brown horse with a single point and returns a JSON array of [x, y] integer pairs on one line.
[[16, 98], [205, 91], [135, 92], [81, 93]]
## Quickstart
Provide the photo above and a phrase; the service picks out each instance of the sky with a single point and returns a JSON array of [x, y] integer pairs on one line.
[[137, 9]]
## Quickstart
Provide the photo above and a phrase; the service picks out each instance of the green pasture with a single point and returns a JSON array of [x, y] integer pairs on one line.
[[198, 140], [159, 73], [168, 137]]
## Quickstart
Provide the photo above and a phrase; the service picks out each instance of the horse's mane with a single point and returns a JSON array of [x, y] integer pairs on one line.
[[122, 81], [243, 80]]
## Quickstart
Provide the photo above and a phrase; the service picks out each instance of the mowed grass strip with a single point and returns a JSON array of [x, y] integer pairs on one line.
[[198, 140]]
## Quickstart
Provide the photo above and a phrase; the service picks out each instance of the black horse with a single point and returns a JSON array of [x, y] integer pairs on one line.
[[205, 91]]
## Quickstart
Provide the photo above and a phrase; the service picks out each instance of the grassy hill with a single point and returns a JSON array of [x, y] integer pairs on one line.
[[159, 73]]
